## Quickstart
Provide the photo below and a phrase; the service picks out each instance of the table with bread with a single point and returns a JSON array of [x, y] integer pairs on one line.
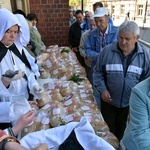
[[67, 96]]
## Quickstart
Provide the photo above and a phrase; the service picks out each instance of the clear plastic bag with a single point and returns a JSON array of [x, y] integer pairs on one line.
[[18, 107]]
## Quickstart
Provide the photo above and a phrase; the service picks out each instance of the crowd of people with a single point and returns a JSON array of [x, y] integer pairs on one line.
[[115, 62], [117, 65]]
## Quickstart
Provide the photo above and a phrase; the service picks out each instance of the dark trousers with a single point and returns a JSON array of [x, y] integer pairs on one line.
[[89, 73], [80, 58], [115, 117]]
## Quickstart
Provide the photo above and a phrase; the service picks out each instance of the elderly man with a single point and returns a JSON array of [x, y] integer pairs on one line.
[[82, 49], [104, 34], [88, 16], [120, 66], [72, 18], [100, 4], [75, 33]]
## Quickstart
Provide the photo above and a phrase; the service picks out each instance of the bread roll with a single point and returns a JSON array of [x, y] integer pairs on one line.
[[28, 129], [50, 86], [56, 95], [109, 137], [43, 73], [65, 89], [98, 124], [44, 99], [65, 55], [42, 57], [45, 123]]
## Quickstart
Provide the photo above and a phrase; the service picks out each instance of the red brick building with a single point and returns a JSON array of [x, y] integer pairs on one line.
[[53, 23]]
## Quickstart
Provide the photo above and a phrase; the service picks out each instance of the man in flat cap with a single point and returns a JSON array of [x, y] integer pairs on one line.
[[104, 34]]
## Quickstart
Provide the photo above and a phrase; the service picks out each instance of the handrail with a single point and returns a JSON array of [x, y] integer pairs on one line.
[[144, 43]]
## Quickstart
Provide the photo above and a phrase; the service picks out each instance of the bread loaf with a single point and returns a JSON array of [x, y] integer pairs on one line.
[[44, 99]]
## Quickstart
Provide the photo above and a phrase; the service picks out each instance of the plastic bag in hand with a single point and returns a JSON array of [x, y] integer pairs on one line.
[[38, 91], [18, 107], [11, 75]]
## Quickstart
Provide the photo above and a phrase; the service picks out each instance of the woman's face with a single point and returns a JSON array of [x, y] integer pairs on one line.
[[34, 22], [10, 35]]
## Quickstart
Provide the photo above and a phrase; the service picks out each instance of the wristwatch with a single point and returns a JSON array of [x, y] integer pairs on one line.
[[4, 142], [6, 138]]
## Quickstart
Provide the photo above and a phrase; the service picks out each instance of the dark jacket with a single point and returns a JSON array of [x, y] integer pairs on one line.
[[75, 32]]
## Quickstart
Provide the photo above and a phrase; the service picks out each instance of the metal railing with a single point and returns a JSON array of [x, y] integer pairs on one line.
[[146, 44]]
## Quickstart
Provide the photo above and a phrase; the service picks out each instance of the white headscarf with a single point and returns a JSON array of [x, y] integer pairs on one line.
[[25, 31], [7, 20], [25, 38]]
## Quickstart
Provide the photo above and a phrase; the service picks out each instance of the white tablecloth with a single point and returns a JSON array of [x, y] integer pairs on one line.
[[54, 137]]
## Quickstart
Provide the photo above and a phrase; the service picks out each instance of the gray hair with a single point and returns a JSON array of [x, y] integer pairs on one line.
[[89, 13], [92, 19], [130, 26]]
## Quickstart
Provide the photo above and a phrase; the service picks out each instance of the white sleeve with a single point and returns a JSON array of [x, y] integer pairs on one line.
[[4, 112], [6, 131], [32, 82], [3, 90], [32, 61], [82, 43]]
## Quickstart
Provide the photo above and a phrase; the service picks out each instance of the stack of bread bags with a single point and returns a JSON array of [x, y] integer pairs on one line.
[[68, 94]]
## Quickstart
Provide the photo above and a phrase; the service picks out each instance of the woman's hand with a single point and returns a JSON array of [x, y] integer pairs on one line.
[[23, 121], [32, 103], [2, 133]]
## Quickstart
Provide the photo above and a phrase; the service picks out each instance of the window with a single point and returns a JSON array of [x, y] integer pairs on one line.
[[148, 11], [140, 10], [13, 5], [20, 4], [113, 9], [122, 9]]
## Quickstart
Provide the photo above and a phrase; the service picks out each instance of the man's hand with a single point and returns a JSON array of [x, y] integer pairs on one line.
[[106, 96], [88, 59], [75, 49]]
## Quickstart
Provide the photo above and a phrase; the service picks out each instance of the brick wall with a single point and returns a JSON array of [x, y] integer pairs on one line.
[[53, 20]]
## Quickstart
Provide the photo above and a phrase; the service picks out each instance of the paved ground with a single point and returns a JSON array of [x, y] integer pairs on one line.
[[145, 29]]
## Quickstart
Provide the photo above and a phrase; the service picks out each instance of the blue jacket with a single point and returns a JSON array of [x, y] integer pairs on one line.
[[93, 42], [137, 133], [109, 73]]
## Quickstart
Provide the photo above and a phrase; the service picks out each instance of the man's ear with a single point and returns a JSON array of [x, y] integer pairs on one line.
[[138, 37]]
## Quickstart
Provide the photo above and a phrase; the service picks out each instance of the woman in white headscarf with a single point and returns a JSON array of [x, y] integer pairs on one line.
[[13, 58], [25, 38]]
